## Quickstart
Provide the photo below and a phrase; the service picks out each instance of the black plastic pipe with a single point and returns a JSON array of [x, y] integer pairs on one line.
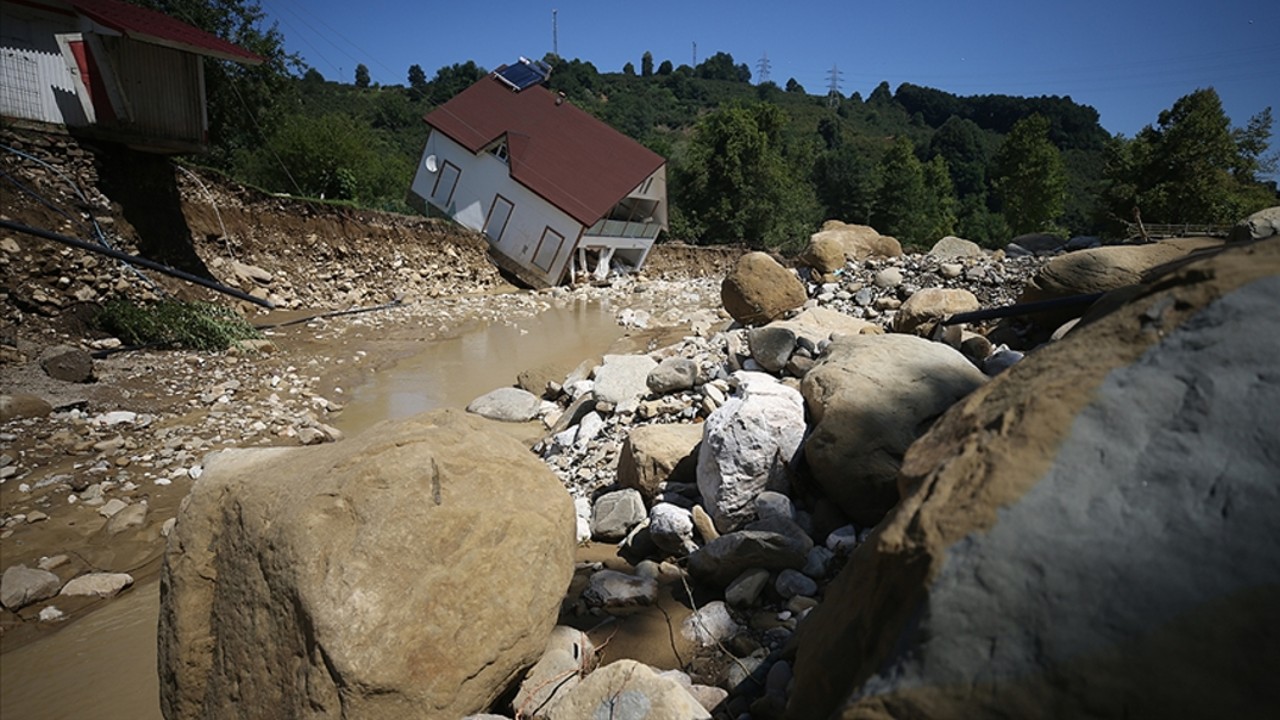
[[1023, 309], [134, 259]]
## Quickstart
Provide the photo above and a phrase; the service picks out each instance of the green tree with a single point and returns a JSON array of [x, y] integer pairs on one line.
[[881, 95], [940, 200], [665, 68], [452, 79], [960, 142], [417, 80], [362, 76], [734, 184], [793, 86], [331, 156], [1030, 180], [846, 180], [646, 64], [901, 200], [629, 69], [720, 67], [1190, 166]]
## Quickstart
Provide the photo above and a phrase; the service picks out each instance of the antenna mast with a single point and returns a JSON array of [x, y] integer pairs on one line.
[[695, 53], [555, 34]]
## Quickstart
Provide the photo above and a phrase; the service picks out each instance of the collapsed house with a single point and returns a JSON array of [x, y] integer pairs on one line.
[[554, 190], [108, 70]]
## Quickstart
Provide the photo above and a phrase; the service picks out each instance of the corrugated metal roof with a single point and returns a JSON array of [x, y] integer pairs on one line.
[[574, 161], [143, 24]]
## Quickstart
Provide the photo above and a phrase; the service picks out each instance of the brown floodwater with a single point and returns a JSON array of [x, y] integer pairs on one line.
[[454, 371], [101, 666], [104, 664]]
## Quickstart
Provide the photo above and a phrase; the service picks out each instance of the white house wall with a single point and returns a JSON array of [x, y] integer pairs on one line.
[[482, 177], [35, 81]]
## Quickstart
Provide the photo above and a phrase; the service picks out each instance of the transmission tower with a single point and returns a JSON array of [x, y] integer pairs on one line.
[[762, 69], [833, 86], [695, 53], [555, 34]]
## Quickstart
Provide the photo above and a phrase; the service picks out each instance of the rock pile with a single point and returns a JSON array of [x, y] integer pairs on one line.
[[781, 496], [710, 456], [1031, 563]]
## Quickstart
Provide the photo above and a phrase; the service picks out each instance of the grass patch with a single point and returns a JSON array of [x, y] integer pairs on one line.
[[171, 324]]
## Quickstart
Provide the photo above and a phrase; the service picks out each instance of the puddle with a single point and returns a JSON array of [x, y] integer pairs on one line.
[[455, 371]]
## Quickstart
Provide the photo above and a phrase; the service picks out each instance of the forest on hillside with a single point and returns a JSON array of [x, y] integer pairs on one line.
[[758, 163]]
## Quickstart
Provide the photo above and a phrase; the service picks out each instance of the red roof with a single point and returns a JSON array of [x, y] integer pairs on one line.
[[571, 159], [150, 26]]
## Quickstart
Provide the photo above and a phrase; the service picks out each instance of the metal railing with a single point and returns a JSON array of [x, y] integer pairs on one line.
[[624, 229]]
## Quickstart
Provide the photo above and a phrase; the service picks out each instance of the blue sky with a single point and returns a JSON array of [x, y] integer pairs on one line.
[[1129, 59]]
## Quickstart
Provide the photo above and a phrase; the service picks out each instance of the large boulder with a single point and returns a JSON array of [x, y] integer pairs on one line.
[[1092, 534], [1106, 268], [824, 253], [869, 398], [747, 444], [622, 379], [759, 290], [954, 248], [411, 572], [819, 323], [922, 312], [860, 241], [1258, 226], [655, 454]]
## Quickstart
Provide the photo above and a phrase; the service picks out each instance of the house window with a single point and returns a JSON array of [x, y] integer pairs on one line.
[[499, 214], [548, 249], [500, 151]]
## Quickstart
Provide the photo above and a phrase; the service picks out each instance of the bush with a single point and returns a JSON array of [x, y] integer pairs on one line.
[[172, 324]]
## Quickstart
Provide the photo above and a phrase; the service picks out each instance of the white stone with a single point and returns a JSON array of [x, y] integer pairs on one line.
[[709, 625], [746, 446], [50, 614], [101, 585], [671, 528]]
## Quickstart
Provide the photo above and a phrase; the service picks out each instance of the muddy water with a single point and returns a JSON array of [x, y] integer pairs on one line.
[[455, 371], [104, 665]]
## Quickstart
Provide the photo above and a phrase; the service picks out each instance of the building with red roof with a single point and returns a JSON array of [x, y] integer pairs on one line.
[[109, 70], [554, 190]]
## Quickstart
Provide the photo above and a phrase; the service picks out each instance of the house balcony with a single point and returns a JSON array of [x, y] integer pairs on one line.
[[621, 234]]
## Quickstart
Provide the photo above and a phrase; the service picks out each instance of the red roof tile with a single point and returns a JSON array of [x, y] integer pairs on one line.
[[574, 161], [148, 25]]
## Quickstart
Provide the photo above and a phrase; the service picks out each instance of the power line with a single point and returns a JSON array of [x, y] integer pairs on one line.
[[301, 16]]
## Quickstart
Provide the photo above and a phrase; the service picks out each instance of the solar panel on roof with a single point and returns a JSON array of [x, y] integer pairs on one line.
[[523, 74]]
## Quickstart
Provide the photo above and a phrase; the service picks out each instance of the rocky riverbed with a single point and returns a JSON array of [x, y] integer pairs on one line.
[[774, 470]]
